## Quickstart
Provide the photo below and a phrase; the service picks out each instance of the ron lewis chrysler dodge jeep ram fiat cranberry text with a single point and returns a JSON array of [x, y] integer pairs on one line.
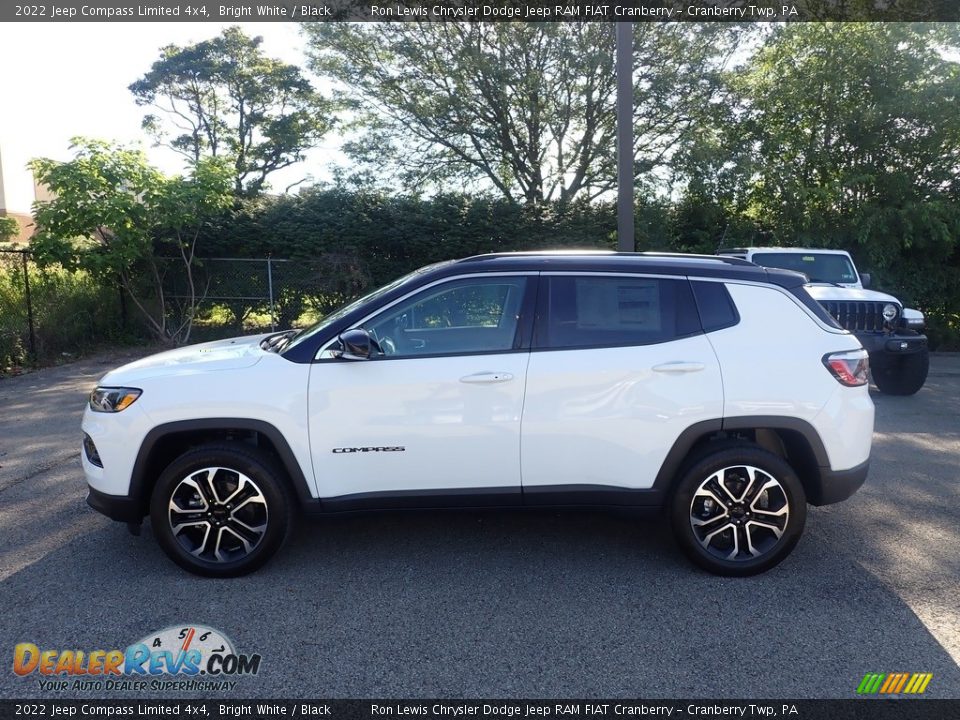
[[710, 387]]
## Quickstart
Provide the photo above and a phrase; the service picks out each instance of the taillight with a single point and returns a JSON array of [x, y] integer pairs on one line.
[[848, 367]]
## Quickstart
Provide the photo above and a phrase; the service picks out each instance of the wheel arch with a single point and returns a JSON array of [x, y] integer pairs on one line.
[[793, 439], [166, 442]]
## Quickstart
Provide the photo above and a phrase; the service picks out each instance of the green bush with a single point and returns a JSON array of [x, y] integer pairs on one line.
[[72, 315], [943, 332]]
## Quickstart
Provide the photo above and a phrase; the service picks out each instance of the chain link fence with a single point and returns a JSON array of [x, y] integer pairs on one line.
[[51, 314], [248, 294]]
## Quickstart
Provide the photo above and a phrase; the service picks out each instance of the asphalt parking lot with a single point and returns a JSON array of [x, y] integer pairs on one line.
[[501, 604]]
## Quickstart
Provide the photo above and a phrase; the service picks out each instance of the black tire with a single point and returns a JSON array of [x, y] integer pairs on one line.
[[234, 470], [902, 375], [752, 510]]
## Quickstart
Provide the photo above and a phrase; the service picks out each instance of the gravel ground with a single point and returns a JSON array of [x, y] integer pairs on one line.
[[502, 604]]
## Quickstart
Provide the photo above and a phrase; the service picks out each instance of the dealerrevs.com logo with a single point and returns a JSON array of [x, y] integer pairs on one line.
[[198, 657]]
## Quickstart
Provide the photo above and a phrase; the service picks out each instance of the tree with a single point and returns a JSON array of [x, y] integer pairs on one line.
[[856, 138], [224, 98], [113, 215], [527, 108]]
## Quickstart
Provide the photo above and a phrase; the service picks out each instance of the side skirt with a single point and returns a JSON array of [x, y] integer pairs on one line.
[[598, 497]]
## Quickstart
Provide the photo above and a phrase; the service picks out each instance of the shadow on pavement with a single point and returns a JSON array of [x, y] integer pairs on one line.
[[492, 604]]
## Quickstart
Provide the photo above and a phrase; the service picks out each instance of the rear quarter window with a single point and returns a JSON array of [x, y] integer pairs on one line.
[[716, 307]]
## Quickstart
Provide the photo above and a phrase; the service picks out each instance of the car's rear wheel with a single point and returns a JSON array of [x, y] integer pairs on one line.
[[738, 511], [221, 510]]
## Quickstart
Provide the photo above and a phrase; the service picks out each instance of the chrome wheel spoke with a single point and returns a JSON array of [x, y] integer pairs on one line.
[[771, 484], [201, 546], [256, 529], [706, 492], [763, 524], [242, 485], [708, 538], [704, 525], [255, 499], [717, 479], [747, 496], [198, 494], [216, 545], [736, 543], [247, 545], [748, 536], [179, 527], [203, 481]]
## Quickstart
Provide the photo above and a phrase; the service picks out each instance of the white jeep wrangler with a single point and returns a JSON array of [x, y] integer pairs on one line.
[[891, 333]]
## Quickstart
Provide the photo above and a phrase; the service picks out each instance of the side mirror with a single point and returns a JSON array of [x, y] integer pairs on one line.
[[865, 279], [357, 344]]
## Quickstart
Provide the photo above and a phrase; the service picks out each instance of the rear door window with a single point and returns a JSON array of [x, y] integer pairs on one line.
[[614, 310]]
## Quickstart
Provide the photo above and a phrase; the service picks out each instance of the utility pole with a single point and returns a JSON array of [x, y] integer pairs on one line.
[[624, 62]]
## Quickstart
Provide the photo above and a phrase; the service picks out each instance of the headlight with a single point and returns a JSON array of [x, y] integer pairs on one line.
[[113, 399], [889, 312]]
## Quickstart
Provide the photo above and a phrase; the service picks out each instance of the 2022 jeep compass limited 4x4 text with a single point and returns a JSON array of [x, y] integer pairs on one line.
[[710, 387]]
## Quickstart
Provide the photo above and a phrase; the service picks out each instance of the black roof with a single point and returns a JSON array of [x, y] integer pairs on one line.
[[708, 266]]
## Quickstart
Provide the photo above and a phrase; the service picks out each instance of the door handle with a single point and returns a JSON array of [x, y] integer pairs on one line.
[[487, 377], [675, 368]]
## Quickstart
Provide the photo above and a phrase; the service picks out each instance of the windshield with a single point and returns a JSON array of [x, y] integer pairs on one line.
[[350, 307], [819, 267]]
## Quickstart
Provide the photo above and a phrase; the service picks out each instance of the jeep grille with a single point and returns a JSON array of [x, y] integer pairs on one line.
[[856, 316]]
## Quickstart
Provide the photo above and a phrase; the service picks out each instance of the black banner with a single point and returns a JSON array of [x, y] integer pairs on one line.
[[232, 709], [479, 10]]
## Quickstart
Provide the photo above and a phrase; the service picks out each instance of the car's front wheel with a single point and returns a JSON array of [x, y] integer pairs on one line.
[[738, 511], [901, 375], [221, 510]]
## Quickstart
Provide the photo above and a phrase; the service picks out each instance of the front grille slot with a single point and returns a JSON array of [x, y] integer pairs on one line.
[[856, 316]]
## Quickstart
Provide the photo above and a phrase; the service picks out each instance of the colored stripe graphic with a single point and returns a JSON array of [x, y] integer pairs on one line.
[[914, 681], [903, 681], [870, 683], [894, 683], [889, 682]]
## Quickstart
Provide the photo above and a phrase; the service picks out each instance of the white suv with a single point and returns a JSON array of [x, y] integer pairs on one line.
[[707, 386]]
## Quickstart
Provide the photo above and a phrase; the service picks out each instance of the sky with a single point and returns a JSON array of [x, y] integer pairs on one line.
[[60, 80]]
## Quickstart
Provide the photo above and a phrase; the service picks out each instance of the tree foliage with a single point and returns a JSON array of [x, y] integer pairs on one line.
[[525, 108], [358, 239], [113, 215], [225, 98], [862, 121], [9, 229]]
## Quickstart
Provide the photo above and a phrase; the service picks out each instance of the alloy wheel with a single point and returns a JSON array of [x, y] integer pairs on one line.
[[739, 513], [218, 514]]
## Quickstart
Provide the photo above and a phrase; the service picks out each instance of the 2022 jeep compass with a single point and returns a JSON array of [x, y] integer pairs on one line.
[[710, 387]]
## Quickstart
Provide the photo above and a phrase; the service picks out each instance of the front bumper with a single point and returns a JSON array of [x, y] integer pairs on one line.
[[116, 507], [893, 344], [833, 486]]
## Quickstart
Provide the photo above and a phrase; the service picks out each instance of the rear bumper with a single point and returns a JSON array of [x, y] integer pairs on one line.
[[834, 486], [116, 507]]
